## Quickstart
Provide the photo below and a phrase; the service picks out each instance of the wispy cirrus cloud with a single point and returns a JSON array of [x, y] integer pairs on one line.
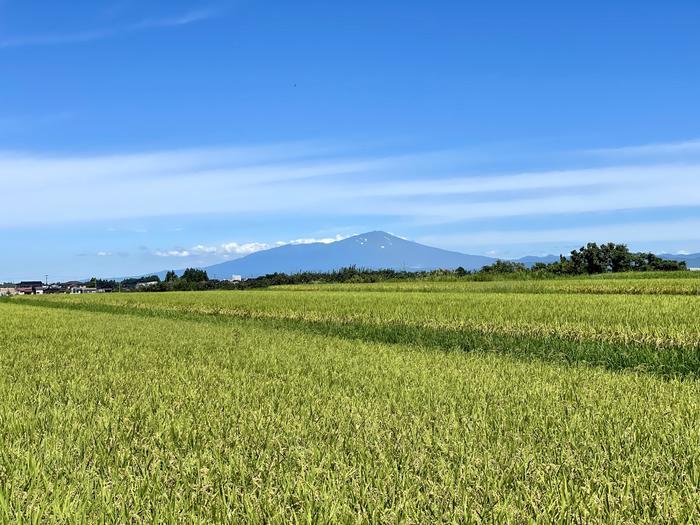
[[644, 151], [88, 35], [628, 232], [438, 197], [183, 19], [288, 181]]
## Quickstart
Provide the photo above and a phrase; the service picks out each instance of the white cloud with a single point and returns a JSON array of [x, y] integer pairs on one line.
[[201, 249], [322, 240], [679, 230], [233, 164], [306, 179], [172, 253], [104, 254], [228, 249], [239, 249], [645, 150], [665, 186]]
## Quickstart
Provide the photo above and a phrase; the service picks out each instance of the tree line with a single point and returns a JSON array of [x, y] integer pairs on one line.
[[590, 259], [191, 279], [593, 259]]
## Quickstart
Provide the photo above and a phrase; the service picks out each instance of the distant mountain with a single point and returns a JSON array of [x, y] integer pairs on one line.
[[692, 260], [531, 260], [373, 250]]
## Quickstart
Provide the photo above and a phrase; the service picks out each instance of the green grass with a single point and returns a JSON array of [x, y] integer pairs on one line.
[[625, 284], [652, 331], [342, 406]]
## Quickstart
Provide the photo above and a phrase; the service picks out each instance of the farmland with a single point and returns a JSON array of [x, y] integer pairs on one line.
[[504, 401]]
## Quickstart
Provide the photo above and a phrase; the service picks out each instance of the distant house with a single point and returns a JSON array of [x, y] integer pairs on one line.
[[6, 290], [81, 289], [55, 288], [30, 288], [148, 284], [236, 279]]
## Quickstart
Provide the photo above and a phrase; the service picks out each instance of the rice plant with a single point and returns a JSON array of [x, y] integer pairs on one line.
[[350, 406]]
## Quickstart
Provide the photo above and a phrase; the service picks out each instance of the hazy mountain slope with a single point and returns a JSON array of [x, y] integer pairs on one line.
[[532, 259], [691, 259], [368, 250], [372, 250]]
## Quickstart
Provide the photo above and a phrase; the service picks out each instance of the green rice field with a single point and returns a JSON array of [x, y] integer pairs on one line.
[[541, 401]]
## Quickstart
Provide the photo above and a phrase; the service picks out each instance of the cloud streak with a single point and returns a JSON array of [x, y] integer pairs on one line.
[[190, 17], [646, 150], [306, 179], [89, 35], [630, 232]]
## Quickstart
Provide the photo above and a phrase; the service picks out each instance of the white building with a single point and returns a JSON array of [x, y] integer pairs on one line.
[[81, 290], [149, 284]]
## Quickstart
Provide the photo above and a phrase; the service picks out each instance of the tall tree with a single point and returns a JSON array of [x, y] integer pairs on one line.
[[194, 275]]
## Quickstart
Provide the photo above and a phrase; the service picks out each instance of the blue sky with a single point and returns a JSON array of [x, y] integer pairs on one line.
[[142, 136]]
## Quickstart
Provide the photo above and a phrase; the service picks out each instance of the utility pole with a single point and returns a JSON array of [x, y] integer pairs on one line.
[[46, 282]]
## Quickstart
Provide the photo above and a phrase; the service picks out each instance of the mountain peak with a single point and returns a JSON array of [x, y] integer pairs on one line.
[[371, 250], [374, 238], [377, 233]]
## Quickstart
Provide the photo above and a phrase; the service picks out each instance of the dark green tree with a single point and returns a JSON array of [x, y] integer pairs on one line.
[[194, 275], [504, 267], [616, 257]]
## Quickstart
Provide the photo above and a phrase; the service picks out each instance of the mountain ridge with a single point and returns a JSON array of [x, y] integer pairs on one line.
[[371, 250]]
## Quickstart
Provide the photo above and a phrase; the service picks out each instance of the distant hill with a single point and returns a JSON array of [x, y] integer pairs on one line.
[[372, 250], [691, 259], [531, 260]]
